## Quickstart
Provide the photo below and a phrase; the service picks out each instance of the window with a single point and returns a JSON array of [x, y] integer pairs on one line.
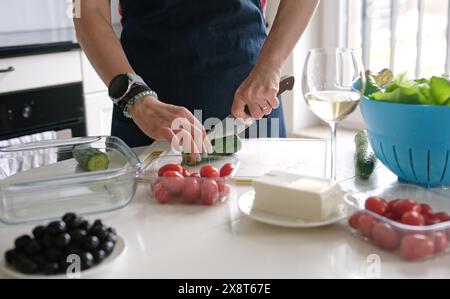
[[410, 36]]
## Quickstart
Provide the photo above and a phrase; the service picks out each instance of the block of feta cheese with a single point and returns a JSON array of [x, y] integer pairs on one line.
[[296, 196]]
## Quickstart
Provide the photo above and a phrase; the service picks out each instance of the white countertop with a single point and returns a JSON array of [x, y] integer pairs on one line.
[[165, 241]]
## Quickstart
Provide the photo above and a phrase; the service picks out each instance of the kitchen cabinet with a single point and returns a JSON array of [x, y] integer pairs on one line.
[[37, 71], [98, 113]]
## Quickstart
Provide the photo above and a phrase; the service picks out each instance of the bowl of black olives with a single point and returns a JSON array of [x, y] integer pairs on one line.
[[63, 248]]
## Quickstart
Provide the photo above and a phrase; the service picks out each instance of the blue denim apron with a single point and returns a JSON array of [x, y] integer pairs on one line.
[[193, 53]]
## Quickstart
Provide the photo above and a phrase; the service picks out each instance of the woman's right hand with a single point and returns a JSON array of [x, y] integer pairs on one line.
[[176, 124]]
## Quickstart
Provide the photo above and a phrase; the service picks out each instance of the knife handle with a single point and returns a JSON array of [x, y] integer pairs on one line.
[[286, 83]]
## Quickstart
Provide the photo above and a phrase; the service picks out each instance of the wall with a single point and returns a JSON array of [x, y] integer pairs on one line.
[[26, 15], [297, 114]]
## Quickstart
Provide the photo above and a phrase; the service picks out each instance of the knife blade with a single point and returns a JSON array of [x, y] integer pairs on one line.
[[231, 125]]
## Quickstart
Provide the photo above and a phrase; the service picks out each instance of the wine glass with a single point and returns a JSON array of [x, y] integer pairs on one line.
[[333, 83]]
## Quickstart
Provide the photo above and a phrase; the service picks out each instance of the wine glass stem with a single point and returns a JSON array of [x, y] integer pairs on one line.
[[333, 127]]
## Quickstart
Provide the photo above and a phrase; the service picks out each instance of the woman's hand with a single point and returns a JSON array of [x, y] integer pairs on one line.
[[175, 124], [258, 92]]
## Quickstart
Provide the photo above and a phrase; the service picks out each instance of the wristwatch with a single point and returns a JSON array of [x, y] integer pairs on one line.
[[122, 84]]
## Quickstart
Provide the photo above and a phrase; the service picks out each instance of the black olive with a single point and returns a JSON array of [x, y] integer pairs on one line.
[[77, 236], [84, 225], [22, 242], [112, 238], [39, 232], [99, 256], [32, 248], [51, 268], [25, 265], [69, 218], [112, 230], [87, 260], [72, 249], [98, 223], [40, 261], [11, 256], [62, 240], [57, 227], [100, 232], [54, 255], [47, 241], [108, 247], [91, 242]]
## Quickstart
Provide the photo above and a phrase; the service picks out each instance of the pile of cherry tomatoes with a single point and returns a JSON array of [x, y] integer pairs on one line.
[[207, 187], [414, 244]]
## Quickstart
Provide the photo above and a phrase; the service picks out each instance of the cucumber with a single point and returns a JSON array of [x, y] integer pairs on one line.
[[91, 159], [365, 159], [227, 146]]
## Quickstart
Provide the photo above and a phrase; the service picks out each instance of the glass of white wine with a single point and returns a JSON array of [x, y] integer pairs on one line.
[[328, 79]]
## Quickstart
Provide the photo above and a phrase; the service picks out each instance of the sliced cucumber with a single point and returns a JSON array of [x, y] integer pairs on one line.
[[227, 145], [91, 159], [365, 159]]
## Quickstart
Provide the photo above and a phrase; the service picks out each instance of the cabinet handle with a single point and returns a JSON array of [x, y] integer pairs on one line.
[[7, 70]]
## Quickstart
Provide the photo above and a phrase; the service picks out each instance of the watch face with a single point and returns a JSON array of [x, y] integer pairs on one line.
[[118, 86]]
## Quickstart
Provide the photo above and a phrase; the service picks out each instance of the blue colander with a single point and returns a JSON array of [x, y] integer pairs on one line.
[[413, 141]]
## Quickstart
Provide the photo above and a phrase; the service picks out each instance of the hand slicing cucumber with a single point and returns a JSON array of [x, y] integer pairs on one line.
[[365, 160], [91, 159], [225, 146]]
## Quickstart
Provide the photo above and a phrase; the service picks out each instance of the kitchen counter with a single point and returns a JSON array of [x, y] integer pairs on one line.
[[14, 44], [165, 241]]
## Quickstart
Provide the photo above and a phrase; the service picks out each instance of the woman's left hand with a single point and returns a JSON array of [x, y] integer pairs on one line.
[[258, 92]]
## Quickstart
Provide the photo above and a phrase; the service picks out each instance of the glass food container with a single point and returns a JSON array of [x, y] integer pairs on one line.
[[189, 188], [390, 233], [43, 180]]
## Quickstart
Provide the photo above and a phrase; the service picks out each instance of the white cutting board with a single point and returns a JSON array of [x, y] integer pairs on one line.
[[259, 156], [300, 156]]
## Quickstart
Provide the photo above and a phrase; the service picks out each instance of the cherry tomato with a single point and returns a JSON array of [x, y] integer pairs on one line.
[[413, 218], [353, 221], [390, 215], [195, 175], [172, 167], [365, 225], [431, 220], [405, 205], [443, 217], [224, 189], [226, 170], [174, 181], [440, 242], [391, 204], [191, 191], [416, 246], [376, 205], [426, 209], [209, 171], [210, 192], [161, 193], [186, 173], [385, 237]]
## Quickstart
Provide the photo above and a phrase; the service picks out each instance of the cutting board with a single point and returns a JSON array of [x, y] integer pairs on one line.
[[259, 156]]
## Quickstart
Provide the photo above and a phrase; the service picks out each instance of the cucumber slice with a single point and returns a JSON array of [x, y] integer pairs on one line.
[[91, 159], [365, 159]]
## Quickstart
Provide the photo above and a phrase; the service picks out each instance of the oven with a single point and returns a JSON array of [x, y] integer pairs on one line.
[[53, 108]]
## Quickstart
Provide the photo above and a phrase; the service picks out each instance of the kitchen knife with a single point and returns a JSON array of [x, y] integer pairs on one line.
[[234, 126]]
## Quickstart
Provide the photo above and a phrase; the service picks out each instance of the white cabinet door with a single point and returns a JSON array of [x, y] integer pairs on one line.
[[99, 109]]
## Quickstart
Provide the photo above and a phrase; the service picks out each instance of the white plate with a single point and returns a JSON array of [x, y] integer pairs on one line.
[[119, 249], [245, 204]]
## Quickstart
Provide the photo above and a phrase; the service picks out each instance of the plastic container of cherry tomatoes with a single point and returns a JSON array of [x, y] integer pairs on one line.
[[407, 226], [170, 181]]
